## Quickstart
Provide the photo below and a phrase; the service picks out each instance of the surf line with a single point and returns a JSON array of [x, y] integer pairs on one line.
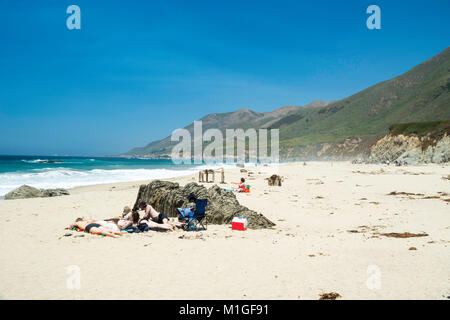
[[191, 310]]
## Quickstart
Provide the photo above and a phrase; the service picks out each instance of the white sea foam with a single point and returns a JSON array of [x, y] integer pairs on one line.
[[63, 177], [69, 178], [34, 161], [46, 161]]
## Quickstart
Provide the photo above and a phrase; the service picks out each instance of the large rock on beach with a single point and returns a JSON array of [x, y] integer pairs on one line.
[[25, 192], [411, 149], [54, 192], [222, 206]]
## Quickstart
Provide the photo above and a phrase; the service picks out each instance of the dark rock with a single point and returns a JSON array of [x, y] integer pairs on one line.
[[54, 192], [222, 206], [25, 192], [329, 296], [275, 180]]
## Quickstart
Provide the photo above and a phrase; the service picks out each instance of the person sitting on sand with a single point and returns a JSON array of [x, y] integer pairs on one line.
[[126, 213], [130, 218], [241, 185], [156, 220], [90, 226]]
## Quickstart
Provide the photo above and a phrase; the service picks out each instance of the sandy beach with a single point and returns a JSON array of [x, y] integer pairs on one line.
[[333, 233]]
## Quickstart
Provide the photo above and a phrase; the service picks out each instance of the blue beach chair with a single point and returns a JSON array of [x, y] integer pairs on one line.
[[195, 218]]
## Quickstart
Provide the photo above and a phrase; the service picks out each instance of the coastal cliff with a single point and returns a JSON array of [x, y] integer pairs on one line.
[[414, 143]]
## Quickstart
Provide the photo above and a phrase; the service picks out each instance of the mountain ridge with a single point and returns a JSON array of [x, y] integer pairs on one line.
[[355, 122]]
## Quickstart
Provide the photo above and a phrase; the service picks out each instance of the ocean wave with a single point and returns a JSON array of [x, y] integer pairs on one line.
[[34, 161], [69, 178], [46, 161]]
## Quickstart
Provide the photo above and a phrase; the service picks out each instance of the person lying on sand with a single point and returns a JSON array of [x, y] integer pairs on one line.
[[92, 227], [109, 224], [156, 220]]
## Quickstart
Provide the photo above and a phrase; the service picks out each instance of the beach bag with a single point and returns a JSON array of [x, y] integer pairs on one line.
[[132, 230], [143, 227]]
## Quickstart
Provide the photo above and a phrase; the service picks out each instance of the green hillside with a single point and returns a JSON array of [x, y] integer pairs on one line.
[[421, 94], [421, 128]]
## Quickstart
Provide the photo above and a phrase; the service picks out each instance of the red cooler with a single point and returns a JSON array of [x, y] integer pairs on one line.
[[239, 223]]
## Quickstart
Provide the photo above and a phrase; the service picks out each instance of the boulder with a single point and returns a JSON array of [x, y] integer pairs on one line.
[[274, 180], [23, 192], [222, 206], [54, 192], [442, 151], [392, 147], [26, 191], [411, 156]]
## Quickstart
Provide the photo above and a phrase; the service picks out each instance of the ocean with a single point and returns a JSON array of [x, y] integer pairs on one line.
[[68, 172]]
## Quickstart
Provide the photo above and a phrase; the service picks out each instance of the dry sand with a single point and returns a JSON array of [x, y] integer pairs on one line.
[[330, 219]]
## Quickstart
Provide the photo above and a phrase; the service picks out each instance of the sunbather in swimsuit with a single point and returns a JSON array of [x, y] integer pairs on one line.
[[93, 227], [90, 226], [130, 218], [156, 220], [162, 218], [109, 224]]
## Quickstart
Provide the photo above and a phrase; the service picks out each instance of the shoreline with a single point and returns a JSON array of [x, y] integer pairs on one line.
[[193, 175], [216, 166], [249, 168]]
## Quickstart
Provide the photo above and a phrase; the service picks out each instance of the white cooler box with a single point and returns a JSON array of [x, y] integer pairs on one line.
[[239, 223]]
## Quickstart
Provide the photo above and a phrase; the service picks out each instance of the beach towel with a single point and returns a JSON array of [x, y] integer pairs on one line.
[[79, 230], [185, 212]]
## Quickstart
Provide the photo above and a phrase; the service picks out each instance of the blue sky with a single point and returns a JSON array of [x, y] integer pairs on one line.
[[139, 69]]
